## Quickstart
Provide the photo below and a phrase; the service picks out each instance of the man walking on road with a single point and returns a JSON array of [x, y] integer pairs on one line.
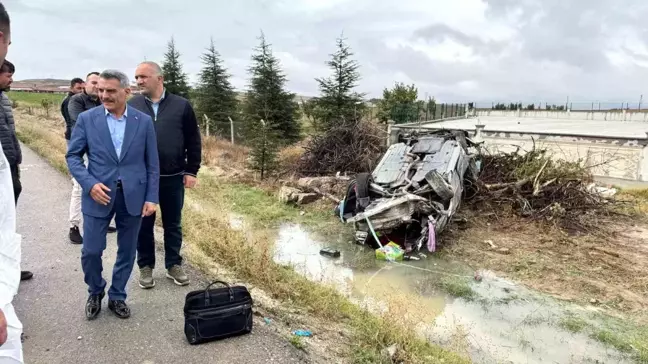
[[83, 101], [10, 144], [121, 180], [10, 326], [179, 145], [77, 86]]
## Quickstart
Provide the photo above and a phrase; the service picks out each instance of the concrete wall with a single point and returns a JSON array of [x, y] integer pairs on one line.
[[576, 115], [616, 158], [622, 159]]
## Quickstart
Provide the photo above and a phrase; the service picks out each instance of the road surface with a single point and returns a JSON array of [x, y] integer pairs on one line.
[[51, 305]]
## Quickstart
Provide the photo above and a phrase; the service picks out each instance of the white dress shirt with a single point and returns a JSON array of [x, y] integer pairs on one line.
[[10, 351]]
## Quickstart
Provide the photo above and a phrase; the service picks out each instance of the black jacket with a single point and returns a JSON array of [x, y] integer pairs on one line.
[[66, 115], [76, 105], [178, 136], [10, 145]]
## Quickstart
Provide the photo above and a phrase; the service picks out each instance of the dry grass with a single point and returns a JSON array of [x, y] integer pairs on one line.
[[289, 158], [221, 152], [43, 135], [250, 256]]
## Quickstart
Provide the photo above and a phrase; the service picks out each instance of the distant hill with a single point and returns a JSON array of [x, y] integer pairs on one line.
[[42, 82]]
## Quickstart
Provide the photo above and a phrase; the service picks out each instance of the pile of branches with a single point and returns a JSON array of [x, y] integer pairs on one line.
[[532, 184], [353, 146]]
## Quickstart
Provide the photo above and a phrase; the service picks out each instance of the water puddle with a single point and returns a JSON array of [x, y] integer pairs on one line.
[[501, 322]]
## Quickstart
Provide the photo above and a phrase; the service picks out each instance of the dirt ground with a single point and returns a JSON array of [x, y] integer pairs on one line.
[[609, 271]]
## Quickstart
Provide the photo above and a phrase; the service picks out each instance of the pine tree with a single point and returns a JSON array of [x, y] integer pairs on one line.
[[267, 99], [263, 154], [175, 80], [338, 102], [215, 95]]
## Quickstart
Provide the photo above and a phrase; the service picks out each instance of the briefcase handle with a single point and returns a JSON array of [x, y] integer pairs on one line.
[[208, 299]]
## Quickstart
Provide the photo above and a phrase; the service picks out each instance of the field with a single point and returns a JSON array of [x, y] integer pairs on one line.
[[35, 99]]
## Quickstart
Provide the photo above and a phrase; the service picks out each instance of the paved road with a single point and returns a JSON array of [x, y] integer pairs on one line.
[[51, 305]]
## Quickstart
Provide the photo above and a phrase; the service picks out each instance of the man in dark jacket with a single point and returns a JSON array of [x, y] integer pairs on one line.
[[8, 139], [83, 101], [76, 87], [179, 148]]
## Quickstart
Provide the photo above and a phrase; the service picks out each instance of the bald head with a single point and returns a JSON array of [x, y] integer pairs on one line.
[[148, 76], [156, 67]]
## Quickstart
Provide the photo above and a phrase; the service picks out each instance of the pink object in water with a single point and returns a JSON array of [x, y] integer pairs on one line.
[[431, 243]]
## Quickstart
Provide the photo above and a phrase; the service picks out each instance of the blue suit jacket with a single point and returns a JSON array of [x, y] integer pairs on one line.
[[138, 164]]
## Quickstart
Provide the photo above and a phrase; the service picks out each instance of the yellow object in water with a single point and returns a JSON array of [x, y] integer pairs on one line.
[[390, 252]]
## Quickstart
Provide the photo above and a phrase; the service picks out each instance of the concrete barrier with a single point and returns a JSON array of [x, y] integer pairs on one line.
[[620, 115]]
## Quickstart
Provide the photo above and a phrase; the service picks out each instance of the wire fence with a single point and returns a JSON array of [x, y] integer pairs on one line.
[[565, 105], [418, 112]]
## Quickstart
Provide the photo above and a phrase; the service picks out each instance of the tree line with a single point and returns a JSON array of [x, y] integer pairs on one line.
[[267, 116]]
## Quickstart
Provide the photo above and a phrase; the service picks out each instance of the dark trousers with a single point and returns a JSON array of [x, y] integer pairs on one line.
[[94, 243], [15, 177], [171, 203]]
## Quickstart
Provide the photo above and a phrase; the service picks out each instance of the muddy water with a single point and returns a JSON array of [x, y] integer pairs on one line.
[[503, 323]]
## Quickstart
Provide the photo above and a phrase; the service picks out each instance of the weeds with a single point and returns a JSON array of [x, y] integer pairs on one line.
[[297, 342], [458, 287], [612, 339], [573, 324]]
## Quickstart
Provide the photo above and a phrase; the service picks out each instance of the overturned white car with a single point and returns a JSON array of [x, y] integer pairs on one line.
[[413, 192]]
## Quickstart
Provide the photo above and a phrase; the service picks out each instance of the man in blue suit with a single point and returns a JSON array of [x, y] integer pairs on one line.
[[121, 180]]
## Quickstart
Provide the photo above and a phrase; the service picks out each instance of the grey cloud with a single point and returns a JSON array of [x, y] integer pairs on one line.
[[557, 47], [438, 32]]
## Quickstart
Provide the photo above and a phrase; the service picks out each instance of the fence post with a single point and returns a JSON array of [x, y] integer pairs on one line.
[[392, 133], [206, 118], [231, 129]]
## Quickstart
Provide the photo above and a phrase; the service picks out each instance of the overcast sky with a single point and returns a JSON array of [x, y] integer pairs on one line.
[[454, 50]]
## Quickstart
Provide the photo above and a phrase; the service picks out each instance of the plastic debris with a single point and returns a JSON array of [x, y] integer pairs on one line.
[[267, 320], [303, 333], [390, 252]]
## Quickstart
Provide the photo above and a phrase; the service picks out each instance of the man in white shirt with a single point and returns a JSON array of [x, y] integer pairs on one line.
[[10, 325]]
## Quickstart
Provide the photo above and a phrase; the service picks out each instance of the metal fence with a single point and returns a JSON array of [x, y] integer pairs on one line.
[[564, 105], [420, 111]]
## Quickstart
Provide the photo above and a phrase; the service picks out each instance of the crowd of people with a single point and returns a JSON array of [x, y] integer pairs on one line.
[[127, 154]]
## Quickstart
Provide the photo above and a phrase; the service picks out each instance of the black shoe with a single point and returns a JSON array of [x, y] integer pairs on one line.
[[75, 235], [93, 305], [26, 275], [112, 229], [119, 308]]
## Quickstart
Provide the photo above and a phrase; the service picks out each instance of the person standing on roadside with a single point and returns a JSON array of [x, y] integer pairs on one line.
[[77, 86], [10, 326], [10, 144], [83, 101], [120, 181], [179, 145]]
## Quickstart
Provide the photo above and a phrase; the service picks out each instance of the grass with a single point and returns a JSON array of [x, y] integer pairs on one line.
[[612, 339], [250, 256], [621, 335], [297, 342], [573, 324], [458, 287], [35, 99]]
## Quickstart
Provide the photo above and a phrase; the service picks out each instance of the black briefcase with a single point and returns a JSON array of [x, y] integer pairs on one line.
[[218, 313]]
